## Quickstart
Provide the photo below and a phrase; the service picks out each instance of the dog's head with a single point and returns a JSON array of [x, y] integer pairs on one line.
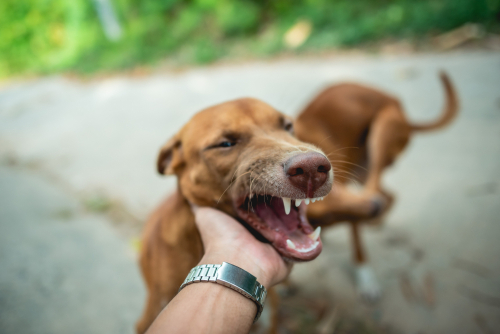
[[242, 158]]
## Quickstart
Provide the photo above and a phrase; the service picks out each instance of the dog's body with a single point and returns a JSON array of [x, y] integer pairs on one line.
[[362, 131], [269, 163], [239, 157]]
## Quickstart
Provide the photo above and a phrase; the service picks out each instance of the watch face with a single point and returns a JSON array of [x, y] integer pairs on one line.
[[238, 278]]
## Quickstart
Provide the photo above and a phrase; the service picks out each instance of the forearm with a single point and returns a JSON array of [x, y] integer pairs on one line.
[[207, 307], [203, 308]]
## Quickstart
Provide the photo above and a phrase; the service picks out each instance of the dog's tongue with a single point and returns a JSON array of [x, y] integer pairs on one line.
[[293, 235]]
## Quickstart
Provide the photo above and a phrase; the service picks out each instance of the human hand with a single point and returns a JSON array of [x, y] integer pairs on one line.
[[225, 239]]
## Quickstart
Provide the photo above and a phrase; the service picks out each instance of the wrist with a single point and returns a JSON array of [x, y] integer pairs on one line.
[[238, 259]]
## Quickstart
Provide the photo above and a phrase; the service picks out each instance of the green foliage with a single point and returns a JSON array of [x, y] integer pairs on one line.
[[45, 36], [234, 18]]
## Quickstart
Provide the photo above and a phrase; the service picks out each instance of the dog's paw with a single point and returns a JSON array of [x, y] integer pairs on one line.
[[378, 203], [367, 285]]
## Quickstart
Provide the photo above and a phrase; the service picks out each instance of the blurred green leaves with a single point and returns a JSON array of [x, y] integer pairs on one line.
[[45, 36], [237, 17]]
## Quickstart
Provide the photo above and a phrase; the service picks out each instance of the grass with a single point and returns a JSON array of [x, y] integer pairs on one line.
[[48, 36]]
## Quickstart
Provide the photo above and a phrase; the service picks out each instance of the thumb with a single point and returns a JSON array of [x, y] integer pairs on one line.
[[215, 225]]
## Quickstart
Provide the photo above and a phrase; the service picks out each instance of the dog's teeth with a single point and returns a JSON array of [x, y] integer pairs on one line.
[[307, 201], [287, 203], [290, 244], [313, 200], [297, 202], [315, 235]]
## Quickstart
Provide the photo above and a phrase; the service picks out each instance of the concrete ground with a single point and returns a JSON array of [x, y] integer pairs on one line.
[[77, 171]]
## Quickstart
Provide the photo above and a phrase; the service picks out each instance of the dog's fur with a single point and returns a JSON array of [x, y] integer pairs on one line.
[[211, 174], [363, 131]]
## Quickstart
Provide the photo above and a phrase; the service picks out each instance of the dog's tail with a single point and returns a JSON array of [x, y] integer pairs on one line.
[[450, 109]]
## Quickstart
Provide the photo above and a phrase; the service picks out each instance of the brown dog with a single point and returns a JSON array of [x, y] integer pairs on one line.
[[241, 158], [367, 130]]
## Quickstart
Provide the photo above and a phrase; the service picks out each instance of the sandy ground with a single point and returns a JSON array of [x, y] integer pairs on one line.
[[77, 174]]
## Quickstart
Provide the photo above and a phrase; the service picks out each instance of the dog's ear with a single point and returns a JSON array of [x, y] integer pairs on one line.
[[170, 156]]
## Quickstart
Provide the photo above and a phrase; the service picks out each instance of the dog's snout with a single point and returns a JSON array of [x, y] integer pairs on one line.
[[308, 171]]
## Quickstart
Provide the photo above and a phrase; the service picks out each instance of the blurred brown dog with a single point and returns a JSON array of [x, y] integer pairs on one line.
[[242, 158], [367, 130]]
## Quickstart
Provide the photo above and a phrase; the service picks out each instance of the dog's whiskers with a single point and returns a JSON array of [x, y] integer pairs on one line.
[[324, 140], [251, 182], [349, 163], [344, 174], [232, 182]]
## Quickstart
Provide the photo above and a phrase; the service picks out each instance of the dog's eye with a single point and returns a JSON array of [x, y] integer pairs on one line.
[[289, 127], [223, 144], [226, 144]]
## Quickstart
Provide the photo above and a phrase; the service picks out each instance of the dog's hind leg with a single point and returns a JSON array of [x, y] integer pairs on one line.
[[388, 136], [366, 283]]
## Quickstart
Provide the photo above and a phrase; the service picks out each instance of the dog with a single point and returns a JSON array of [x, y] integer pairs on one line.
[[242, 158], [363, 131]]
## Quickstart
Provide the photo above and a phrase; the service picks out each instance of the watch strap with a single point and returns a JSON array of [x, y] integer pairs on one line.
[[232, 277]]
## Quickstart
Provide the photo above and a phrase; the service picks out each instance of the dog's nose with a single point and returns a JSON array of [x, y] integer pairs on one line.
[[308, 171]]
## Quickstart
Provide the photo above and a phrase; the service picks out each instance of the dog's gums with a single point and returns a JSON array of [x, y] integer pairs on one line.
[[283, 222]]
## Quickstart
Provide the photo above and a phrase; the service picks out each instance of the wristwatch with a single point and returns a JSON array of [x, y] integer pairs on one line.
[[232, 277]]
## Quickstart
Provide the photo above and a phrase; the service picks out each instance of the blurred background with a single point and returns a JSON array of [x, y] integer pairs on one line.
[[90, 89], [45, 36]]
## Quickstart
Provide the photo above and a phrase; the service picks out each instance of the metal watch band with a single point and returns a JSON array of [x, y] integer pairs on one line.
[[232, 277]]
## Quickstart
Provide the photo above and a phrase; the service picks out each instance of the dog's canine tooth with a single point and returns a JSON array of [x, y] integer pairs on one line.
[[307, 201], [315, 235], [297, 202], [290, 244], [287, 203]]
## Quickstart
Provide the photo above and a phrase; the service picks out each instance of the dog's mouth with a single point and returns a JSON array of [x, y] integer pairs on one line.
[[283, 222]]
